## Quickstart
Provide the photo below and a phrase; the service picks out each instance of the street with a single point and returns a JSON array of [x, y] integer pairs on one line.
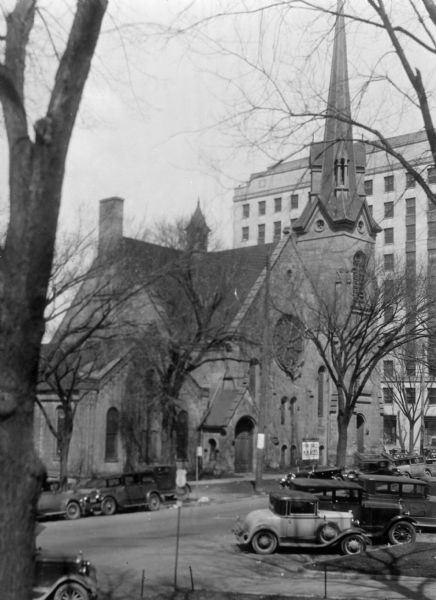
[[137, 549]]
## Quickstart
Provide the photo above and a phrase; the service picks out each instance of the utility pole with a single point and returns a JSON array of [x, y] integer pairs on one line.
[[264, 379]]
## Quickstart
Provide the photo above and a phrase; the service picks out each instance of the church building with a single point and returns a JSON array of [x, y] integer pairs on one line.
[[230, 397]]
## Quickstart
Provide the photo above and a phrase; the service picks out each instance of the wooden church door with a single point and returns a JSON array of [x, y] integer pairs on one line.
[[244, 445]]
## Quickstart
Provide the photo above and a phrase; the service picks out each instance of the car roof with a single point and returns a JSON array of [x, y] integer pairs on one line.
[[293, 495], [329, 484], [392, 478]]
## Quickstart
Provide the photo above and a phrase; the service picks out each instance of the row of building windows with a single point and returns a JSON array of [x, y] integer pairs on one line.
[[261, 232], [390, 430], [389, 181], [410, 395], [261, 206], [388, 233]]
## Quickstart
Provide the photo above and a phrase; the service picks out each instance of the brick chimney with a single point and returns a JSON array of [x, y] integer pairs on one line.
[[110, 229]]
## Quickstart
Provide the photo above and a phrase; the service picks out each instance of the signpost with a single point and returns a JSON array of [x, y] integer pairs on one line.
[[310, 450]]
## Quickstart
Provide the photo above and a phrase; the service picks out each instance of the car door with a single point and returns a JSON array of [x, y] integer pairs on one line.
[[414, 499], [49, 501], [135, 495], [302, 522]]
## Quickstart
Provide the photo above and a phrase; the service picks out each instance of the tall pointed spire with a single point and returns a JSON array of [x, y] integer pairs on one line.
[[338, 179]]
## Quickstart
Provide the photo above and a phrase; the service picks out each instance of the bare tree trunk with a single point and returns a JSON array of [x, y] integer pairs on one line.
[[343, 420], [36, 171]]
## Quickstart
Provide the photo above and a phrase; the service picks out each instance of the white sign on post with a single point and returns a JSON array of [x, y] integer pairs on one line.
[[310, 450], [199, 451], [260, 441]]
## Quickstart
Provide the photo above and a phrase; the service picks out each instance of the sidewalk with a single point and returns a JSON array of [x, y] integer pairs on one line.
[[222, 489]]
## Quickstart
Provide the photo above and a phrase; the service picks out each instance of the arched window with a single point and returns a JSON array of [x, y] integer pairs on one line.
[[359, 270], [112, 432], [283, 402], [321, 391], [60, 419], [182, 435]]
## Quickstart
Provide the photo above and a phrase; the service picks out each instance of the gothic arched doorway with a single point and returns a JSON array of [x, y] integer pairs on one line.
[[244, 445], [360, 432]]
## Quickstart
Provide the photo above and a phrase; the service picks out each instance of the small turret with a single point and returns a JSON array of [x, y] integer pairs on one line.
[[197, 231]]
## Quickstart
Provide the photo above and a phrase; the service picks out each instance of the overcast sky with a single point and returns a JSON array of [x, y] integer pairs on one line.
[[147, 129]]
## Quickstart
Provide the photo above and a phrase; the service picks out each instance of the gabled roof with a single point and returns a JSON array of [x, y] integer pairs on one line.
[[223, 408]]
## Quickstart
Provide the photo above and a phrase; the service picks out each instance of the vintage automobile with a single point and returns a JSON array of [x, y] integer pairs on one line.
[[414, 495], [294, 519], [383, 520], [414, 465], [371, 463], [318, 473], [59, 577], [54, 501], [114, 493], [147, 488]]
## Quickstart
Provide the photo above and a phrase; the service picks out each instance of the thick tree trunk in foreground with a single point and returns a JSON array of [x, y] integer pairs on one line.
[[36, 171]]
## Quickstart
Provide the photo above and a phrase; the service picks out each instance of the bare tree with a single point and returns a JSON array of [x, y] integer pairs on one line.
[[276, 104], [407, 379], [353, 327], [36, 171], [194, 300]]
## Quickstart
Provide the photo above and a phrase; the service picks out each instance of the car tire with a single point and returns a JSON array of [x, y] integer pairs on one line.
[[153, 502], [402, 532], [109, 506], [407, 474], [183, 492], [353, 544], [71, 591], [264, 542], [427, 473], [327, 532], [73, 511]]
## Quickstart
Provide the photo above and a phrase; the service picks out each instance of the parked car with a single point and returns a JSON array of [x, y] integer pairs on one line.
[[58, 577], [166, 479], [70, 503], [384, 520], [294, 519], [371, 463], [120, 492], [414, 495], [318, 473], [413, 465]]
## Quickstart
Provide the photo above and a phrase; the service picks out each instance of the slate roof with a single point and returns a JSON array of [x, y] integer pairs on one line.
[[236, 270]]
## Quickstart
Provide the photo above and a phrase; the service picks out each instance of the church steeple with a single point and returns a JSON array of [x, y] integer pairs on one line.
[[337, 164], [197, 231], [338, 179]]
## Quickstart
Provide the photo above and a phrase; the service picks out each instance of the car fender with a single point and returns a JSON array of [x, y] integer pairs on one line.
[[47, 592], [261, 527], [398, 518], [351, 530], [150, 492]]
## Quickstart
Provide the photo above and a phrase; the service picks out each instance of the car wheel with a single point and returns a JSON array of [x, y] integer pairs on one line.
[[427, 473], [264, 542], [71, 591], [154, 502], [73, 511], [109, 506], [402, 532], [183, 492], [353, 544], [327, 532], [407, 474]]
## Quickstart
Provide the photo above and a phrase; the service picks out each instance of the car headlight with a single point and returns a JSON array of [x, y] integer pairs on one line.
[[355, 523], [82, 565]]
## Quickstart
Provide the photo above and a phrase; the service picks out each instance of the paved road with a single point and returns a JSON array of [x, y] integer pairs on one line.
[[123, 547]]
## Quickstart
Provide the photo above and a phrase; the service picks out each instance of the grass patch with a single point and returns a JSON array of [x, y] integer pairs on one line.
[[411, 560]]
